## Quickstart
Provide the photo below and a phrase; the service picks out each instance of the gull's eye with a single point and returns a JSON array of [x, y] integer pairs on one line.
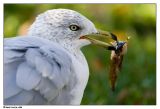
[[74, 27]]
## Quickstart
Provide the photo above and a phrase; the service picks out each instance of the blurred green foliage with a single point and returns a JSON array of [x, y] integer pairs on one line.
[[137, 80]]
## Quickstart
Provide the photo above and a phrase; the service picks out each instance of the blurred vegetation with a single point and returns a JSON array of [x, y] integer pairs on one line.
[[137, 80]]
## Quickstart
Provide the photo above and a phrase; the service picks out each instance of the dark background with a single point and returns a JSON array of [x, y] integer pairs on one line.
[[136, 82]]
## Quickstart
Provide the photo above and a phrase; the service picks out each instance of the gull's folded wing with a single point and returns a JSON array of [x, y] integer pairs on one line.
[[35, 70]]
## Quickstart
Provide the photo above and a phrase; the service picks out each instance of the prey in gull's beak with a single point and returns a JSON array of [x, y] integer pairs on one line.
[[105, 39], [118, 49]]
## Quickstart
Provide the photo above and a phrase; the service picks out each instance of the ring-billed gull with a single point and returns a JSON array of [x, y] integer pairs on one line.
[[47, 66]]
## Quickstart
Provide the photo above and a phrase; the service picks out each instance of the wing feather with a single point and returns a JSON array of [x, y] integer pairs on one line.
[[24, 97], [27, 77]]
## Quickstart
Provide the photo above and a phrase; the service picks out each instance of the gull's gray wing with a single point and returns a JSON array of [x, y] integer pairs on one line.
[[35, 70]]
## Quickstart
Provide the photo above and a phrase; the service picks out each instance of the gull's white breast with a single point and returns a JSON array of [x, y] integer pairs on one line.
[[80, 66]]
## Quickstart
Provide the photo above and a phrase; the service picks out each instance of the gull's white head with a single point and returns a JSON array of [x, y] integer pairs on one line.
[[63, 26]]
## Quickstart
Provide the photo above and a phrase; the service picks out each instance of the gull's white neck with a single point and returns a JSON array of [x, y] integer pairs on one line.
[[73, 47]]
